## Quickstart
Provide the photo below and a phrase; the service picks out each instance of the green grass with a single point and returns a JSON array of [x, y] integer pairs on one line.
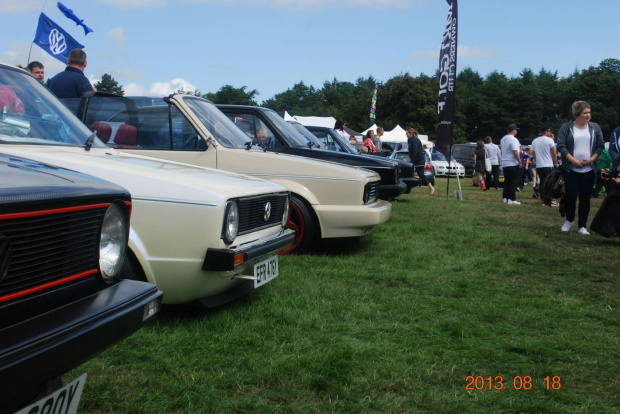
[[445, 289]]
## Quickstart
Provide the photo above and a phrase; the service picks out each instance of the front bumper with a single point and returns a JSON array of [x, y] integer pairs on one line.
[[352, 221], [222, 260], [391, 191], [44, 347]]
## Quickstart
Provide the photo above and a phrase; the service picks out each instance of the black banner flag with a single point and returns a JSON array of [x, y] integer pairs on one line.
[[447, 82]]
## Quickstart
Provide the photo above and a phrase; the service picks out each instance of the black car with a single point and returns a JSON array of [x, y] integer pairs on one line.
[[336, 142], [62, 243], [284, 138], [464, 154]]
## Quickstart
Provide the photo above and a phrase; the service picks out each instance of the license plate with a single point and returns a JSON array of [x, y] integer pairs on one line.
[[65, 400], [265, 271]]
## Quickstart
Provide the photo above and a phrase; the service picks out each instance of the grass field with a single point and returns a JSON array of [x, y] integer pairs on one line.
[[445, 290]]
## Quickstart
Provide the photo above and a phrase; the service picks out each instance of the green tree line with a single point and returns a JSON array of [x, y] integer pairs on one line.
[[484, 104]]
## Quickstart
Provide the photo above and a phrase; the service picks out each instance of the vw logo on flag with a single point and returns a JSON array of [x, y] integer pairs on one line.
[[57, 42]]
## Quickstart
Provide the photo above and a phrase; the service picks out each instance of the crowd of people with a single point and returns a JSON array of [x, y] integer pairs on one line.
[[580, 155]]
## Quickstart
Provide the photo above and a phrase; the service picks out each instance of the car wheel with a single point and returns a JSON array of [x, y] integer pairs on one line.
[[131, 268], [299, 219]]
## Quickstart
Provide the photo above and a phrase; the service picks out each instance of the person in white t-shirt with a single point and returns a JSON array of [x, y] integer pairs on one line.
[[494, 156], [544, 155], [580, 142], [511, 164]]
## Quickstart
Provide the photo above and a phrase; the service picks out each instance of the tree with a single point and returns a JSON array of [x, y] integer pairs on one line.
[[228, 94], [108, 84]]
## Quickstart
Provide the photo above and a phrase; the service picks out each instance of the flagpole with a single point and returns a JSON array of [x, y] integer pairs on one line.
[[35, 32]]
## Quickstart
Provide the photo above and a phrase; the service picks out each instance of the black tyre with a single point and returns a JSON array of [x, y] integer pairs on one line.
[[302, 221]]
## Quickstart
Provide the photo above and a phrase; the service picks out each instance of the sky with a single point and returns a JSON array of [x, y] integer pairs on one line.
[[154, 47]]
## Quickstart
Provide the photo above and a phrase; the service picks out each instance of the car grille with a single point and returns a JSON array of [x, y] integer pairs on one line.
[[372, 189], [252, 211], [49, 247]]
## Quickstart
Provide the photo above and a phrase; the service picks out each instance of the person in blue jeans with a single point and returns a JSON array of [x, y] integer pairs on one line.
[[580, 142]]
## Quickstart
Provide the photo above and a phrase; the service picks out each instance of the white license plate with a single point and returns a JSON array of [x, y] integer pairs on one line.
[[65, 400], [265, 271]]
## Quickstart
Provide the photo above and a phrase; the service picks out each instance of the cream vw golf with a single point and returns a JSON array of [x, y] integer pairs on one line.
[[200, 235], [328, 200]]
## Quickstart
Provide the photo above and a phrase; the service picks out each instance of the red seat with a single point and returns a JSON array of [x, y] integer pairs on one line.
[[126, 135], [104, 130]]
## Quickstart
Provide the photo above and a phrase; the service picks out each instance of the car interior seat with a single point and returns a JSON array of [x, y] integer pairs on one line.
[[104, 130]]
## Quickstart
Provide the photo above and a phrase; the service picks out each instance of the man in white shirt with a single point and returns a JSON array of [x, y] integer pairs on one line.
[[511, 163], [545, 155]]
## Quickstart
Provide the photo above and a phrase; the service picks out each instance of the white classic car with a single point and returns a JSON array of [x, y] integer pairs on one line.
[[328, 200], [200, 235]]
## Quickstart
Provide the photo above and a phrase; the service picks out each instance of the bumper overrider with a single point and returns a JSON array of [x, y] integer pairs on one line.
[[239, 261], [48, 345]]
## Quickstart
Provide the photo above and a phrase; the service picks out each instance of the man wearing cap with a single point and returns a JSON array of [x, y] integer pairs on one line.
[[545, 155], [511, 164]]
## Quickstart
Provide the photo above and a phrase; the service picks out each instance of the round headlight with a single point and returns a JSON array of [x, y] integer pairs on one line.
[[231, 222], [285, 214], [113, 242]]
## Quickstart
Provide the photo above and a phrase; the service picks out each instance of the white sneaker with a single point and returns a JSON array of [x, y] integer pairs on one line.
[[583, 231], [566, 225], [512, 202], [505, 200]]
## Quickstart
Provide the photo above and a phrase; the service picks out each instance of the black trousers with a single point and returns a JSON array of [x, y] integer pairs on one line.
[[495, 173], [511, 181]]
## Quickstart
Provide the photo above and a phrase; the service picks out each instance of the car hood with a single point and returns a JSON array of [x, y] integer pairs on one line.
[[25, 181], [147, 177]]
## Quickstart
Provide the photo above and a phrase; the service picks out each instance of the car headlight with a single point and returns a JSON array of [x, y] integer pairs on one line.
[[113, 242], [231, 222], [285, 214]]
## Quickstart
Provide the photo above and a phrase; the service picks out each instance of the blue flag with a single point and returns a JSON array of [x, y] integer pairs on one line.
[[54, 40]]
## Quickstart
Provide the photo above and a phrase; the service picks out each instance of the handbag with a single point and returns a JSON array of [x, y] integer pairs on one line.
[[487, 162]]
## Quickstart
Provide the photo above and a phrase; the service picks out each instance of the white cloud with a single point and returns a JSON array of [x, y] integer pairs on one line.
[[166, 88], [133, 89], [463, 51]]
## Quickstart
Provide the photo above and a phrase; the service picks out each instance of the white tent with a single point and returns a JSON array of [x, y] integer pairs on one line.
[[322, 121]]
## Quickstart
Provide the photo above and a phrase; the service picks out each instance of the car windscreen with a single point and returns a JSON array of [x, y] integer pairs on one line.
[[31, 114], [287, 130], [311, 137], [222, 128]]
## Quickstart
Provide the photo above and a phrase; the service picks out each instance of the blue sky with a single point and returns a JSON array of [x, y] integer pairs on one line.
[[154, 47]]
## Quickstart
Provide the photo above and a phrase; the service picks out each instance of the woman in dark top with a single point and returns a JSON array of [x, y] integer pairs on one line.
[[479, 168]]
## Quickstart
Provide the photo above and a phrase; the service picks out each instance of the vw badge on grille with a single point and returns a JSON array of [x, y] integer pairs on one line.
[[5, 256], [267, 211]]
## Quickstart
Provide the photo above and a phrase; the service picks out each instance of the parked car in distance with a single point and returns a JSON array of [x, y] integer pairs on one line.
[[429, 170], [63, 237], [283, 138], [336, 142], [443, 168], [202, 236], [464, 154], [328, 200]]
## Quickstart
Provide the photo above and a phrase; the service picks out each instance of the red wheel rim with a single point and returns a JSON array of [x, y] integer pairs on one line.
[[295, 221]]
